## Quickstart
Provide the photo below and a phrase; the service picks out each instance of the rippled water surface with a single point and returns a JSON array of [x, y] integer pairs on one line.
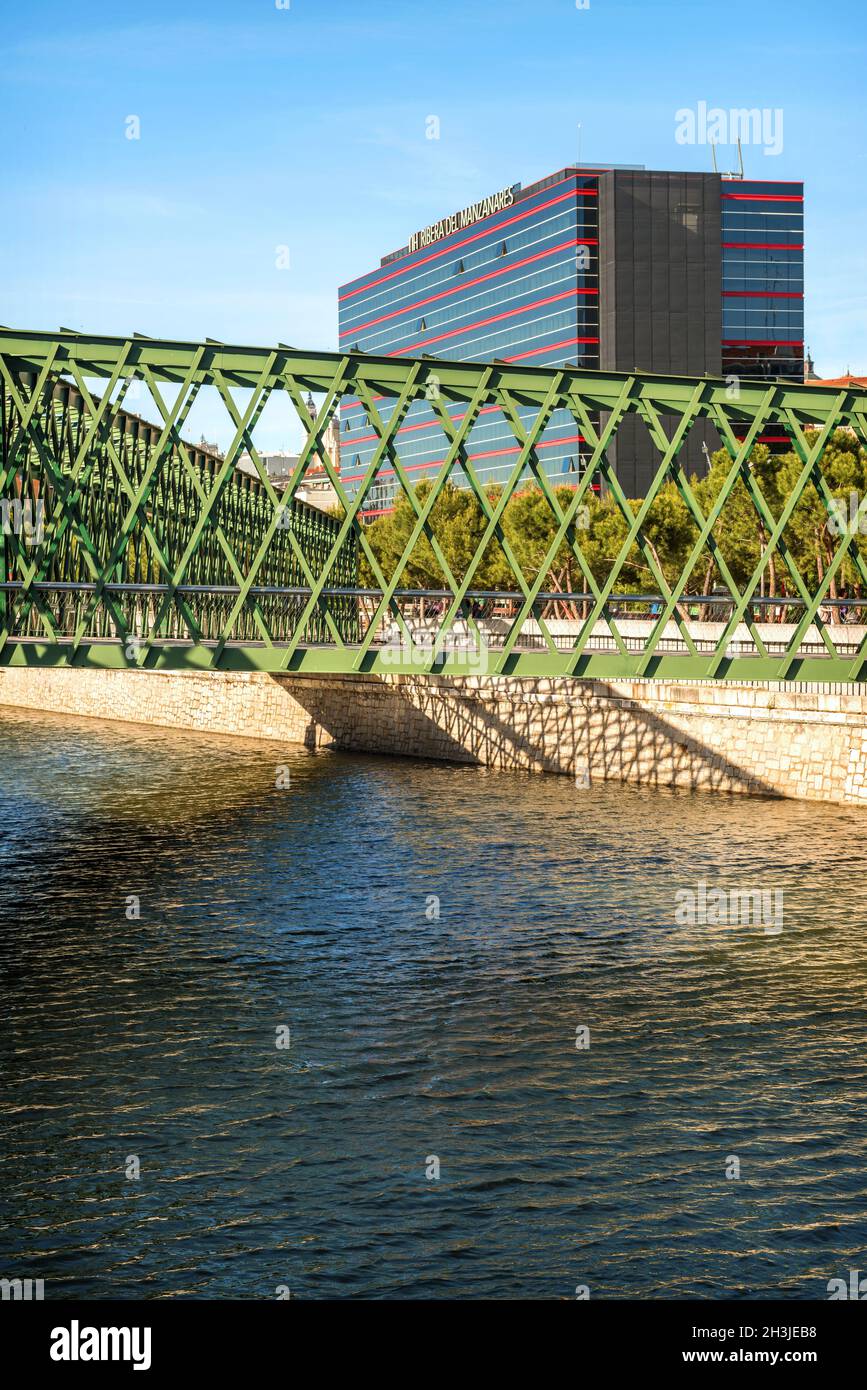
[[311, 908]]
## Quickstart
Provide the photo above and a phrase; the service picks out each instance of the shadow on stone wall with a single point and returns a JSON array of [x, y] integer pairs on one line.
[[594, 733]]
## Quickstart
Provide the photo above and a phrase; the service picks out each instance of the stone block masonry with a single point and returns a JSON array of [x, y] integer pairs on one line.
[[774, 739]]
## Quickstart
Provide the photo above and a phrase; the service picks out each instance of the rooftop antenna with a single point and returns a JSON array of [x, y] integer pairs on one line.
[[731, 174], [713, 155], [579, 144]]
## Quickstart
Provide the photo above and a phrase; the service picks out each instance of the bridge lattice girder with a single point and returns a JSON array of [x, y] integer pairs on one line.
[[158, 553]]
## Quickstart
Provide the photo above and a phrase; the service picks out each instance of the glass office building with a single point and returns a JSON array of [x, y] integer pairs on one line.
[[611, 268], [763, 282]]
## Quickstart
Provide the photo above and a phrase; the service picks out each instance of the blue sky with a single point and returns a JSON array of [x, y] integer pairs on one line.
[[305, 127]]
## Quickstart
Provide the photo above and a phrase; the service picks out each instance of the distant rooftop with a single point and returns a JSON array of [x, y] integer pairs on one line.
[[847, 380], [585, 164]]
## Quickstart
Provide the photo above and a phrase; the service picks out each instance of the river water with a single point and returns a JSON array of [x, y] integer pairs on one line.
[[429, 940]]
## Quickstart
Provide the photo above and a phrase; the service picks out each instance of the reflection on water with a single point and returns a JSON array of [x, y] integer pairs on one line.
[[414, 1035]]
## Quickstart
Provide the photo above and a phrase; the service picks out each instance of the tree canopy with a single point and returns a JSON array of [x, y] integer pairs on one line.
[[529, 526]]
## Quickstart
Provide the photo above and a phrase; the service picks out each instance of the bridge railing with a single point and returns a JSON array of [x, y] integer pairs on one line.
[[125, 544]]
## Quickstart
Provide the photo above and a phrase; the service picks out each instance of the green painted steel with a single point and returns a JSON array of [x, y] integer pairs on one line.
[[138, 548], [105, 516]]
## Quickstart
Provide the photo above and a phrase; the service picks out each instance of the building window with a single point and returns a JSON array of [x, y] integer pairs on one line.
[[422, 325], [688, 215], [504, 250], [460, 268]]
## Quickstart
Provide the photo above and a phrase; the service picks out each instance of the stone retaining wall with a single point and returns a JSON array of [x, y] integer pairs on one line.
[[768, 739]]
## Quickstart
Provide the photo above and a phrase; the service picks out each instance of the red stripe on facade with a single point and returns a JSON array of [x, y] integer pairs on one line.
[[762, 294], [762, 246], [764, 197], [552, 347], [468, 284], [447, 250], [534, 352], [532, 191], [762, 342], [489, 453], [768, 438], [350, 405], [573, 487], [483, 323], [422, 425]]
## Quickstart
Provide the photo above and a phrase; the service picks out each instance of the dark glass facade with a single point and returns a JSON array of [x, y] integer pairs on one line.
[[523, 285]]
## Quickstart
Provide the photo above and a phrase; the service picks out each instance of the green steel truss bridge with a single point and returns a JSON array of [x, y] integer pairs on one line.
[[124, 545]]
